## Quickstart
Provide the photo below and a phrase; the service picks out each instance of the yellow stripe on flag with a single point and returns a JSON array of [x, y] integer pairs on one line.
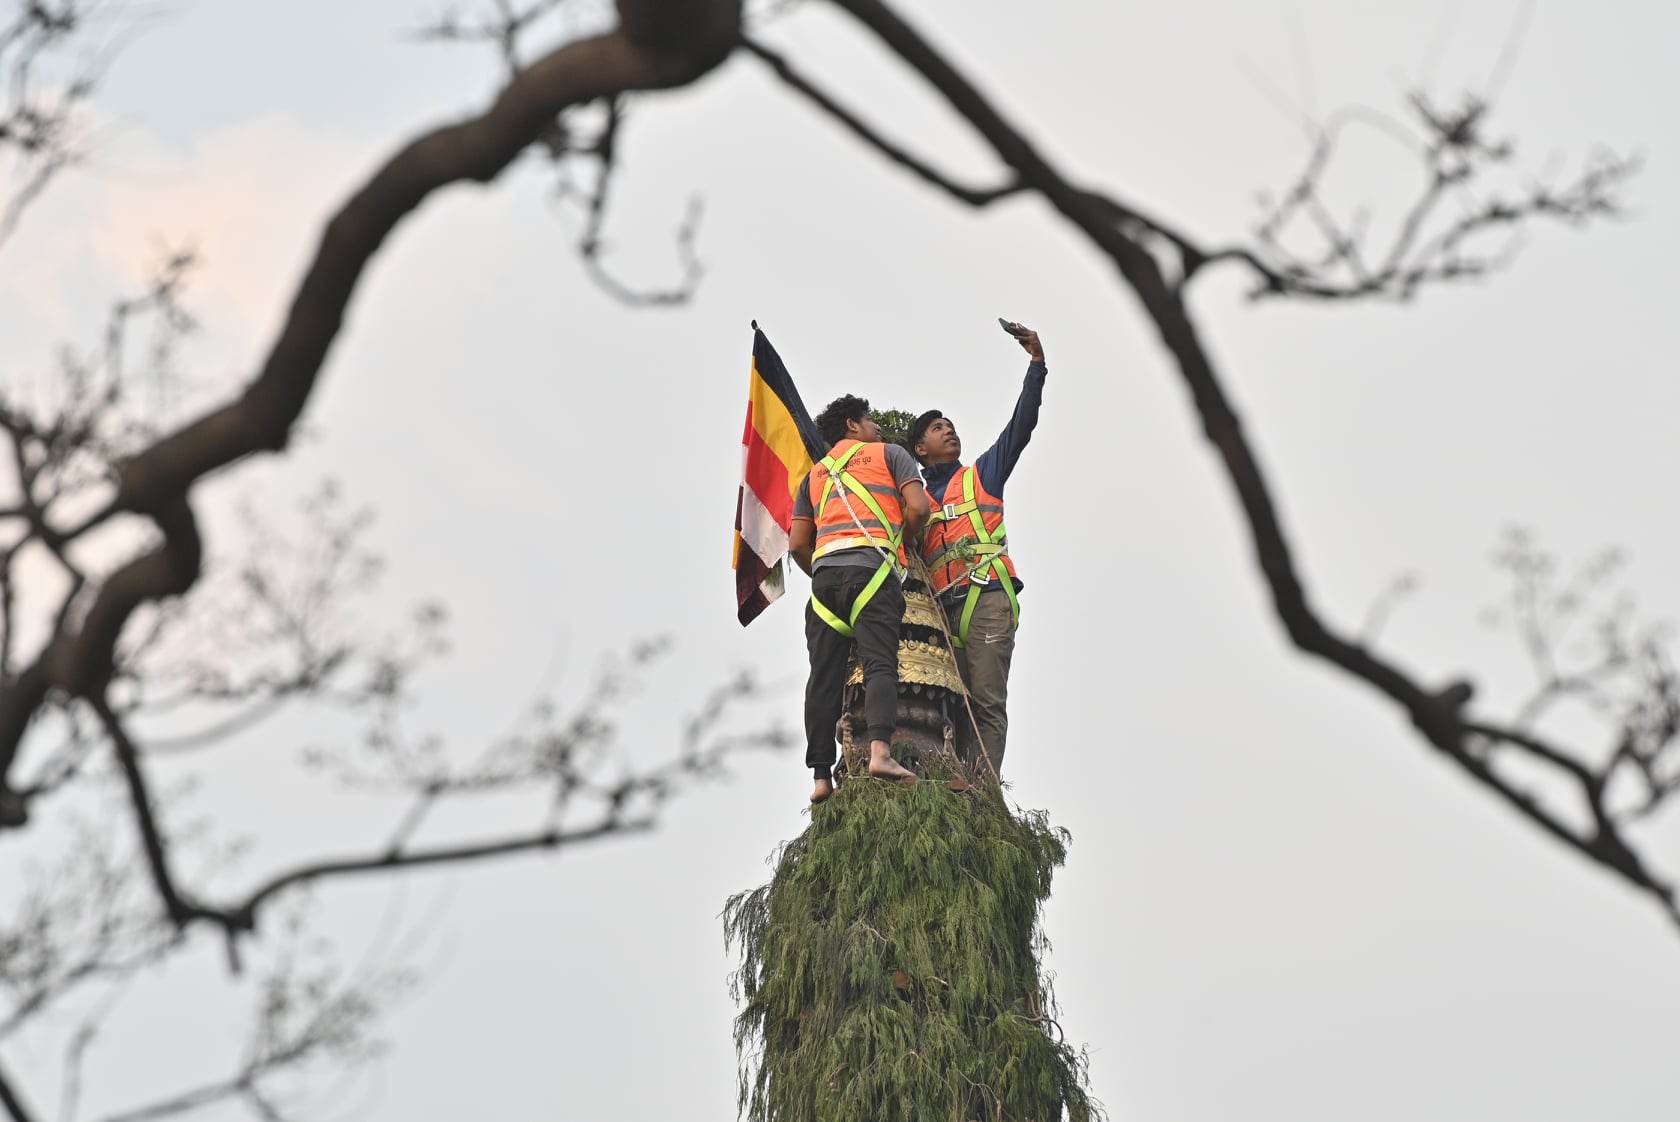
[[775, 425]]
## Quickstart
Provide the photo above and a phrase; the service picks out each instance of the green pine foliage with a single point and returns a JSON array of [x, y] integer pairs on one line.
[[890, 969], [895, 424]]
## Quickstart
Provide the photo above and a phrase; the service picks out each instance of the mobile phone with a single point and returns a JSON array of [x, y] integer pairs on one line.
[[1015, 329]]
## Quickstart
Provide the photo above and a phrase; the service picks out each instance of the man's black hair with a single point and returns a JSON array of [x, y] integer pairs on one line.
[[831, 422], [919, 430]]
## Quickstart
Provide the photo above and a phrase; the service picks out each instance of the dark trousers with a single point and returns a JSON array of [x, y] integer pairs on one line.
[[877, 644]]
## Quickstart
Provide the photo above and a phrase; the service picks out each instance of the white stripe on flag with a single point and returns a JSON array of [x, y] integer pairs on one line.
[[759, 531]]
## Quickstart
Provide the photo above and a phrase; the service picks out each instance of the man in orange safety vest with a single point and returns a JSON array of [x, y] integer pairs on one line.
[[852, 516], [966, 549]]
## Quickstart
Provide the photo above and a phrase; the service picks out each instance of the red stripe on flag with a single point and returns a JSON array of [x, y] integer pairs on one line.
[[768, 477]]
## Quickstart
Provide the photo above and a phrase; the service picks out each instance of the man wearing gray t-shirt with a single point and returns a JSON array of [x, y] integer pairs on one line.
[[851, 517]]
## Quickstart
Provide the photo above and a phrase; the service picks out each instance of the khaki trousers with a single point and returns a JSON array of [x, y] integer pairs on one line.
[[984, 664]]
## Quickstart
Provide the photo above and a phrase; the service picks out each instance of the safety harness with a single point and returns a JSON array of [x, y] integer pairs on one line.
[[889, 564], [990, 549]]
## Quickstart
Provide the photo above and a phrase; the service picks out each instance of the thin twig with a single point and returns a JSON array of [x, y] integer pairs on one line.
[[893, 151]]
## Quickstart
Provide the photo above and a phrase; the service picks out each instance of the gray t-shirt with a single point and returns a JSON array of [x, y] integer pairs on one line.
[[904, 470]]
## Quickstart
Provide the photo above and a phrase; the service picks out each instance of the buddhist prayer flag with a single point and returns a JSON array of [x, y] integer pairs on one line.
[[777, 449]]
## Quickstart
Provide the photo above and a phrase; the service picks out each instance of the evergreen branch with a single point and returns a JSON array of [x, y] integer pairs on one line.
[[892, 966]]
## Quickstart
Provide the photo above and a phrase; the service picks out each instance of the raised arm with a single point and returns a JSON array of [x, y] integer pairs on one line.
[[996, 462]]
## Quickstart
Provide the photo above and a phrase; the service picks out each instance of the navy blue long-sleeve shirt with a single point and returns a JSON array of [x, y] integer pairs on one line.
[[996, 462]]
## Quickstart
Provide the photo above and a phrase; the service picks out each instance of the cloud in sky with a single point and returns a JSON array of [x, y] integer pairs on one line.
[[247, 197]]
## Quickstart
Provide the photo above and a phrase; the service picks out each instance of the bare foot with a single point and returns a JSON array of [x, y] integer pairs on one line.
[[821, 792], [885, 767]]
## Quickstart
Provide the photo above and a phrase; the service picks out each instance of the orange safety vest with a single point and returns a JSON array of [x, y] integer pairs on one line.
[[863, 512], [857, 505], [966, 544]]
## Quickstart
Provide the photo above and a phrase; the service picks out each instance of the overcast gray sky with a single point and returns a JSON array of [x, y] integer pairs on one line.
[[1279, 906]]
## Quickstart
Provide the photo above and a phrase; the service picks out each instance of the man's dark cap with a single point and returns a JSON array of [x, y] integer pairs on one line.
[[917, 429]]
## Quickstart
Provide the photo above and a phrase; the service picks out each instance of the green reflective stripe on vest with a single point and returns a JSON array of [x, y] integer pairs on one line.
[[999, 573], [960, 639], [837, 470], [848, 627], [974, 518], [830, 618], [834, 467], [862, 492]]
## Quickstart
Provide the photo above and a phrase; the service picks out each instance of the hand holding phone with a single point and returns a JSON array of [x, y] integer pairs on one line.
[[1024, 335]]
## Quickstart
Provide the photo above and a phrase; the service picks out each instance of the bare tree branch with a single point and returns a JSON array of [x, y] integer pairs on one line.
[[655, 46], [12, 1100], [1437, 713], [99, 657], [575, 154], [37, 125], [1426, 246], [1622, 673], [592, 245], [1377, 617], [86, 924], [627, 805], [1125, 216], [307, 1012], [50, 65], [897, 153], [566, 759], [502, 28], [243, 915], [152, 841]]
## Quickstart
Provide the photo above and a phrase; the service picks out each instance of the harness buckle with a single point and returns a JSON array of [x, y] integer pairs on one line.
[[948, 511]]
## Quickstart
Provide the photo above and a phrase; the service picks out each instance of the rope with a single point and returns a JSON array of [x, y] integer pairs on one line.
[[939, 612], [845, 498], [973, 721]]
